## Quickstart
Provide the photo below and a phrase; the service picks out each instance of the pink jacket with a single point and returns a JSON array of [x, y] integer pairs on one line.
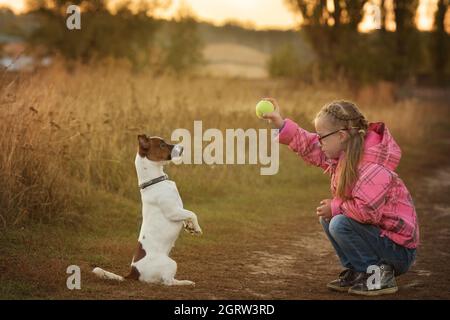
[[379, 196]]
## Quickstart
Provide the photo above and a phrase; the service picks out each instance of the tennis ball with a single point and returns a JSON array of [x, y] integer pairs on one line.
[[262, 107]]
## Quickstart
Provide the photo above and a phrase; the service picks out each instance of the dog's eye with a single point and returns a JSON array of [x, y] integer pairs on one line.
[[162, 145]]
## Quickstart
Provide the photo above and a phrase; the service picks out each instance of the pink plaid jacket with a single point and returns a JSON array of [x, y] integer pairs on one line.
[[379, 196]]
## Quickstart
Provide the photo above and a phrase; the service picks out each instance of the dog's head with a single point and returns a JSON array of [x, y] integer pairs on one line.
[[156, 149]]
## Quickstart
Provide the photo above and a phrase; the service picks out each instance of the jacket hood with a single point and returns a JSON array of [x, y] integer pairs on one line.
[[380, 147]]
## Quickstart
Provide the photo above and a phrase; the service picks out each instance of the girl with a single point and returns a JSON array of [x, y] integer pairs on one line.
[[371, 220]]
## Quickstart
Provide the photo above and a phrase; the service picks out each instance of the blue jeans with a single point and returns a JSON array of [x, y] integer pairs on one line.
[[360, 245]]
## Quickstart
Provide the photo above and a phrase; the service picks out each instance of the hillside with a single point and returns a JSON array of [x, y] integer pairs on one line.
[[230, 50]]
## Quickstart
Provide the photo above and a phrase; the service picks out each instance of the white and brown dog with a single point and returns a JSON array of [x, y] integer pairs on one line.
[[163, 216]]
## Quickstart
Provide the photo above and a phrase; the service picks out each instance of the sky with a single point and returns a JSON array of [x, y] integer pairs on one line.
[[261, 14]]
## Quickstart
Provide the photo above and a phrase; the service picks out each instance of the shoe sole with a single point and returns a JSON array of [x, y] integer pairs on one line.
[[337, 289], [374, 292]]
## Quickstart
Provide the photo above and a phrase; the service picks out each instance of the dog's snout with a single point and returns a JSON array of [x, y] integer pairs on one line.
[[177, 151]]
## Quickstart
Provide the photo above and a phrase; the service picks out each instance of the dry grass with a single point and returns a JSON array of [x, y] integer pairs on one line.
[[65, 136], [68, 144]]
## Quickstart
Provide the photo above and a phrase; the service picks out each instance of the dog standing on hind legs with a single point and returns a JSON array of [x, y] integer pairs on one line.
[[163, 216]]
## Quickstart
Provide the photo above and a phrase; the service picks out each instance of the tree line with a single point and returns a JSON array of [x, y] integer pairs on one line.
[[127, 33], [397, 55]]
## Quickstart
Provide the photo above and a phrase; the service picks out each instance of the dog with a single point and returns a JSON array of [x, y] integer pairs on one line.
[[163, 216]]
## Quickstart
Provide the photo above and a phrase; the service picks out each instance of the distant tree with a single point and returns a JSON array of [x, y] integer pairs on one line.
[[440, 41], [126, 34], [285, 62], [330, 30], [406, 37], [184, 49], [354, 10], [9, 25], [318, 13]]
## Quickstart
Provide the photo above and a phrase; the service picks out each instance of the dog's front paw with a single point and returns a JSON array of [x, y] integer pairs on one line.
[[198, 230], [189, 226]]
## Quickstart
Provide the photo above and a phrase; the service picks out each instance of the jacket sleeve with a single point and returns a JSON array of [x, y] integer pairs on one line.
[[304, 143], [336, 206], [368, 196]]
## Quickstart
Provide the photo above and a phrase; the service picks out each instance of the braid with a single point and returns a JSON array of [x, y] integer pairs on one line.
[[336, 111], [343, 110], [348, 112], [346, 115]]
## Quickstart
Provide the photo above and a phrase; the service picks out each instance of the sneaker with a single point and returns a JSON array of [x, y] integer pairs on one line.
[[347, 279], [387, 285]]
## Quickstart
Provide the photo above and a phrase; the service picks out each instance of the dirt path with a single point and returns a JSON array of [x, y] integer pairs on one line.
[[290, 259], [297, 260], [294, 260], [305, 262]]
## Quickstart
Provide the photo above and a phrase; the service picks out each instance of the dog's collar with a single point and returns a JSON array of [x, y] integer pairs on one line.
[[153, 181]]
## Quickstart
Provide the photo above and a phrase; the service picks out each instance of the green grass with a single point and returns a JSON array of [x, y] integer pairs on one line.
[[110, 223], [100, 223]]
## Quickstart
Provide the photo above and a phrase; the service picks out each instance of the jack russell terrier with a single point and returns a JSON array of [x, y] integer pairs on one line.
[[163, 216]]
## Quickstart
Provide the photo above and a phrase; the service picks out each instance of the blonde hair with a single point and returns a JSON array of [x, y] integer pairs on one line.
[[346, 115]]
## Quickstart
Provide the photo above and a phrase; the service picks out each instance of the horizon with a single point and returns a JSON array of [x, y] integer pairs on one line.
[[276, 13]]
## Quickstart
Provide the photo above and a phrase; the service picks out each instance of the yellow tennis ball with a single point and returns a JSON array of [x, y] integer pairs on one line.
[[262, 107]]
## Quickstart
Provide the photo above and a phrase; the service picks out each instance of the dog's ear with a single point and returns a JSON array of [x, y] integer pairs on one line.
[[144, 145]]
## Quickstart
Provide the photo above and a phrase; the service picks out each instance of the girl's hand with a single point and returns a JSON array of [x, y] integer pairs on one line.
[[324, 210], [275, 116]]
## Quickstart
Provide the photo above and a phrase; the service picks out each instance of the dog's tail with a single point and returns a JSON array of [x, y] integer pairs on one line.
[[99, 272]]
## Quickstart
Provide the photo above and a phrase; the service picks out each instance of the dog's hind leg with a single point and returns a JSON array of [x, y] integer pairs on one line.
[[99, 272], [175, 282], [168, 276]]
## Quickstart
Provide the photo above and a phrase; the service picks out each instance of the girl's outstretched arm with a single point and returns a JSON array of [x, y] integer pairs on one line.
[[304, 143]]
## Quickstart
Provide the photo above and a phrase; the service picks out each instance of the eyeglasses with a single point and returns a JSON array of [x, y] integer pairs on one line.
[[329, 134]]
